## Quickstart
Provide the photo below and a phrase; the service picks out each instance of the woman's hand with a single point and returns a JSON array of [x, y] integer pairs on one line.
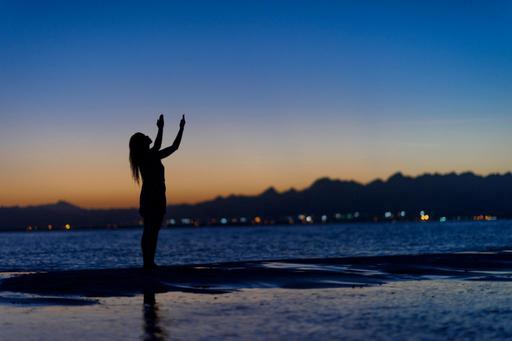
[[182, 122], [160, 122]]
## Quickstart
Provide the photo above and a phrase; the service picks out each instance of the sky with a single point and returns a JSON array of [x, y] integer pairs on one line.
[[276, 93]]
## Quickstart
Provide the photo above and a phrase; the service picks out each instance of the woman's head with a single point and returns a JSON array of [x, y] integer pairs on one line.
[[139, 146]]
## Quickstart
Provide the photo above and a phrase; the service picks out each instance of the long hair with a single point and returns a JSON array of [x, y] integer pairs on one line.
[[137, 150]]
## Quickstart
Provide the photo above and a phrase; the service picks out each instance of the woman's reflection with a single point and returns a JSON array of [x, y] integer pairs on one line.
[[152, 329]]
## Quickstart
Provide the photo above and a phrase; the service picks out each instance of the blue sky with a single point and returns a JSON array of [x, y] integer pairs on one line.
[[276, 93]]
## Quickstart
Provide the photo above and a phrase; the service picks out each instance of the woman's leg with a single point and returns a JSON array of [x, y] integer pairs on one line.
[[154, 240], [149, 239], [144, 241]]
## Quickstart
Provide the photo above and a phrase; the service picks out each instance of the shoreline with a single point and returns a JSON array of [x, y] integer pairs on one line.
[[219, 278]]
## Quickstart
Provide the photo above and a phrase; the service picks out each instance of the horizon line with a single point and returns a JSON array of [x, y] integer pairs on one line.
[[272, 187]]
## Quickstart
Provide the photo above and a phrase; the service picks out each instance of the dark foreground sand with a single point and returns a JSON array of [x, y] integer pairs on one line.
[[288, 274], [458, 296], [431, 310]]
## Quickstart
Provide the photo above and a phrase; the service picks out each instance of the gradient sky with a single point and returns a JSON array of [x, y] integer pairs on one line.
[[275, 92]]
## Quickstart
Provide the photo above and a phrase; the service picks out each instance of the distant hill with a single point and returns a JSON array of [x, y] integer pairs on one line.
[[61, 213], [450, 195]]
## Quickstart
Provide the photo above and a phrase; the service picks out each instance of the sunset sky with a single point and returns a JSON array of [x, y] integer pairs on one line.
[[276, 93]]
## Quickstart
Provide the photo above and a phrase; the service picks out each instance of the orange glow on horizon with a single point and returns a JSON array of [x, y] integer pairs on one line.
[[125, 194], [36, 181]]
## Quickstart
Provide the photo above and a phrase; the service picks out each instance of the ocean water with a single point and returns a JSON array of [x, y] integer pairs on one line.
[[96, 249], [455, 296]]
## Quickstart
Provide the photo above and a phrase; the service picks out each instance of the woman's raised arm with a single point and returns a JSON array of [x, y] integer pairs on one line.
[[158, 140], [176, 144]]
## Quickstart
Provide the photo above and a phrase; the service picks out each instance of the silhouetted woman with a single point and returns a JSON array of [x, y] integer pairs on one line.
[[146, 162]]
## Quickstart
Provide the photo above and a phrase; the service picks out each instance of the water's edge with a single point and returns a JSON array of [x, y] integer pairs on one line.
[[218, 278]]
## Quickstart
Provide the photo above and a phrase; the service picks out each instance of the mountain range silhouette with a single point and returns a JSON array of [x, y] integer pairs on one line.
[[451, 195]]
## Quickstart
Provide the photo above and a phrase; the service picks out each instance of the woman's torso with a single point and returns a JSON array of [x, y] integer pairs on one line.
[[152, 196]]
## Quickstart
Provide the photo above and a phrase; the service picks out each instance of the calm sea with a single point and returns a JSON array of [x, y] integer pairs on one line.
[[41, 251]]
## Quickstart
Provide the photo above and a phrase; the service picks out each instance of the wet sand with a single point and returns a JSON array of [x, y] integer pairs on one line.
[[443, 296], [432, 310], [288, 274]]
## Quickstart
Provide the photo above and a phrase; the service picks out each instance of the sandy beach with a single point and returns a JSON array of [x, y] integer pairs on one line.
[[433, 309], [436, 296]]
